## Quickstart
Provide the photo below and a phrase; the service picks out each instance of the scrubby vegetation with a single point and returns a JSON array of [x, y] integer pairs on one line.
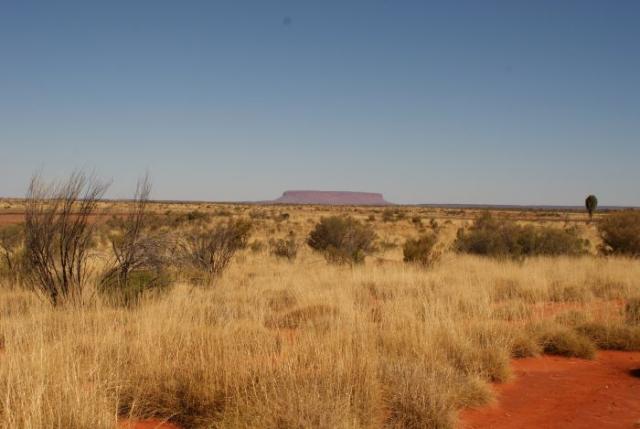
[[504, 238], [421, 250], [377, 343], [620, 232], [342, 239]]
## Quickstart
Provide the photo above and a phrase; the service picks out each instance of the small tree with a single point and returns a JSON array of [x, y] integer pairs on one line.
[[342, 240], [209, 251], [591, 203], [59, 234]]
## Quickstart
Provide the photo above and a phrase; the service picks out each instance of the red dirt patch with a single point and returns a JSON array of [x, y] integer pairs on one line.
[[556, 392], [146, 424]]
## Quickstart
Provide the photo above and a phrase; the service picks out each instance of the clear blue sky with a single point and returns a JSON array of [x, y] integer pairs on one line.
[[460, 102]]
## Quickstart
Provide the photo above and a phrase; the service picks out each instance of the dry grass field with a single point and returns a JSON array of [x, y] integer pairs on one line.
[[302, 343]]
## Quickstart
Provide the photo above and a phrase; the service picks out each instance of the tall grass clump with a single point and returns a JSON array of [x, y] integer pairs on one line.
[[342, 239]]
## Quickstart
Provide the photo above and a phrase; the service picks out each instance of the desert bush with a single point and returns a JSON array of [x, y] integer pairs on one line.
[[421, 250], [207, 252], [504, 238], [620, 232], [59, 234], [632, 311], [342, 239], [139, 254], [285, 247]]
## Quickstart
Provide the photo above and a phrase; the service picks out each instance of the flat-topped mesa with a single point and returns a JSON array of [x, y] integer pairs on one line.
[[332, 198]]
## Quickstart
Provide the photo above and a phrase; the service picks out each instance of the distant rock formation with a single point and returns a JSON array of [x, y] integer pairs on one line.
[[332, 198]]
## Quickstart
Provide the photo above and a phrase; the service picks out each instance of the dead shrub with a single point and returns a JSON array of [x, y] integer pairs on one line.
[[207, 252], [139, 254], [59, 234]]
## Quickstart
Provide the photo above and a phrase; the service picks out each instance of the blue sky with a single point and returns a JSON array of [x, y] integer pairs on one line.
[[456, 102]]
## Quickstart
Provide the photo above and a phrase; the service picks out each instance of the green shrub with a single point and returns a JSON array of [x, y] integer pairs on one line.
[[504, 238], [342, 239], [138, 284], [421, 250], [620, 232]]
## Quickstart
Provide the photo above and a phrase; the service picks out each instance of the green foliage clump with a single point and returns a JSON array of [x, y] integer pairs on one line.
[[421, 250], [504, 238], [591, 203], [620, 232], [342, 239]]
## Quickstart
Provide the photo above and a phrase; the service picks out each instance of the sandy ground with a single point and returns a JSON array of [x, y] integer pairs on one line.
[[146, 424], [556, 392]]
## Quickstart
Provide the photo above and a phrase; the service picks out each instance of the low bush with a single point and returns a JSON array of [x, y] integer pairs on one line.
[[285, 247], [504, 238], [421, 250], [342, 239], [207, 252], [620, 232]]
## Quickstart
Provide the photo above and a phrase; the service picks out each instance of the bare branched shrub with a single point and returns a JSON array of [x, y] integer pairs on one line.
[[342, 239], [59, 234], [140, 253], [208, 251]]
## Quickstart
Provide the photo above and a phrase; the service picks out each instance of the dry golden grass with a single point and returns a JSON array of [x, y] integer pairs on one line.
[[279, 344]]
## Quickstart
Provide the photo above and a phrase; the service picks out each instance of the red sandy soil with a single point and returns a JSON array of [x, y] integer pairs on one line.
[[555, 392], [146, 424]]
